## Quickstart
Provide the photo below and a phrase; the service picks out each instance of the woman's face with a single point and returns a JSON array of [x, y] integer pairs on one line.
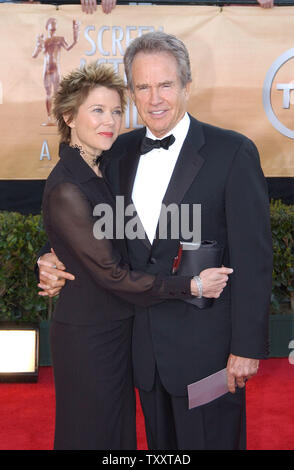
[[98, 120]]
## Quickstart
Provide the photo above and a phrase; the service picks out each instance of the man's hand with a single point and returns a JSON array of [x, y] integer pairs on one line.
[[52, 274], [240, 369], [89, 6], [266, 3], [108, 5], [214, 280]]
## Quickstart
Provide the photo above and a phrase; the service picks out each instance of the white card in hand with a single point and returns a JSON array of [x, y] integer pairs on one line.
[[208, 389]]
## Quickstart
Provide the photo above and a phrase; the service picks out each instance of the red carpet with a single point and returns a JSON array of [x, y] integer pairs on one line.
[[27, 411]]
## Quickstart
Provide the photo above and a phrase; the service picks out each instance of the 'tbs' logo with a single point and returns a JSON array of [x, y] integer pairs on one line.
[[286, 88]]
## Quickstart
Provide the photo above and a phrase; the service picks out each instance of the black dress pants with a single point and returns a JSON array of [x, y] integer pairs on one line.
[[95, 401], [170, 425]]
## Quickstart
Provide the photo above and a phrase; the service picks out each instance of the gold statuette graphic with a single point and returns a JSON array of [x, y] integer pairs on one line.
[[51, 47]]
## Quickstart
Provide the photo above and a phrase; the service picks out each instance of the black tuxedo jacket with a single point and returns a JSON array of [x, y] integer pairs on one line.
[[219, 169]]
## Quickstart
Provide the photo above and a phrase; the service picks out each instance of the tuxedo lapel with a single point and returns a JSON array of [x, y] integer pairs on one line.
[[128, 169], [188, 165]]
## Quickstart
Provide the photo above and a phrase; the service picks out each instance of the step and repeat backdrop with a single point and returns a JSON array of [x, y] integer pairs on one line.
[[242, 62]]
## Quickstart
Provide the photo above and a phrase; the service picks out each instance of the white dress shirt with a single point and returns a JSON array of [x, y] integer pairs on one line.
[[153, 175]]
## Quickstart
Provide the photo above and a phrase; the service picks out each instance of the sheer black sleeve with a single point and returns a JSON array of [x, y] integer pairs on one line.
[[45, 249], [68, 217]]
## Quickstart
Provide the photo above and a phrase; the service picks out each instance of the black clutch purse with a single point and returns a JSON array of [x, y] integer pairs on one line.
[[192, 259]]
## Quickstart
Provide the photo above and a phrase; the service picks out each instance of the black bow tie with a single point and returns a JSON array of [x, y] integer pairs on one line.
[[150, 144]]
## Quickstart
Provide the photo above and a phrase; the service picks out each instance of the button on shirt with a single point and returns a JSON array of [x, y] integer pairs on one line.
[[153, 175]]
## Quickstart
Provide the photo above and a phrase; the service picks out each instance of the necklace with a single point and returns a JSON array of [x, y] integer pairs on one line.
[[92, 161]]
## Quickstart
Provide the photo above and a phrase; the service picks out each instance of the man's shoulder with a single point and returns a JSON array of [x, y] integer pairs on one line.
[[128, 138], [226, 143], [216, 133], [124, 142], [133, 134]]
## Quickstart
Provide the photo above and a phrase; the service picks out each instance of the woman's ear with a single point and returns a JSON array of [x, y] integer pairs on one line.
[[70, 122]]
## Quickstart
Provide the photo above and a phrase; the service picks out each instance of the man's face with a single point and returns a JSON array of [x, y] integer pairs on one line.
[[160, 99]]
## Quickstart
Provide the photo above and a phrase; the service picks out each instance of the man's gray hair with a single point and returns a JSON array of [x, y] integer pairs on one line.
[[159, 42]]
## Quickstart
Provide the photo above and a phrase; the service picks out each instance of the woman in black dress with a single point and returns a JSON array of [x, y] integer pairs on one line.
[[92, 322]]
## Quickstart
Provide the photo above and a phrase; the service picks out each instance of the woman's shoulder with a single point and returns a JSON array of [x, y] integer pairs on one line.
[[61, 181], [65, 197]]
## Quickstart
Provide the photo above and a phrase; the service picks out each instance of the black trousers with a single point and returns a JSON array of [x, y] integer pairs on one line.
[[170, 425], [95, 400]]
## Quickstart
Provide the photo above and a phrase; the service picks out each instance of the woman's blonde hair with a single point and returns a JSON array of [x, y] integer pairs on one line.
[[74, 89]]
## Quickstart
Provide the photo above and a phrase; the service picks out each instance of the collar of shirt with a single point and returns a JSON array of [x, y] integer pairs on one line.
[[74, 162], [180, 132]]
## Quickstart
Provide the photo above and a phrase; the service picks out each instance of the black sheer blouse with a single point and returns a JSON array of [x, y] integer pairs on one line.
[[104, 287]]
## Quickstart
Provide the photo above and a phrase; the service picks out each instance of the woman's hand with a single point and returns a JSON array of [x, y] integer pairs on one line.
[[52, 275], [214, 280]]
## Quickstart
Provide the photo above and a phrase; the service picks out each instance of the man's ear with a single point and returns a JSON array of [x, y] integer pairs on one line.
[[188, 89]]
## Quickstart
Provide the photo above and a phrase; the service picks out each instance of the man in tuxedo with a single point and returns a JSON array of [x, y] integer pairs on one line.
[[176, 343]]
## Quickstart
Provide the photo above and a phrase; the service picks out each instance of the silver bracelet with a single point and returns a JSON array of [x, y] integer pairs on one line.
[[199, 285]]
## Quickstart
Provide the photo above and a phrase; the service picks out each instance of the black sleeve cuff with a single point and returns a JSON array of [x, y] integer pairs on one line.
[[178, 287]]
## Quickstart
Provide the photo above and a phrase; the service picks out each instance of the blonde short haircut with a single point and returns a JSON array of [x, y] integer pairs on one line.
[[75, 87]]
